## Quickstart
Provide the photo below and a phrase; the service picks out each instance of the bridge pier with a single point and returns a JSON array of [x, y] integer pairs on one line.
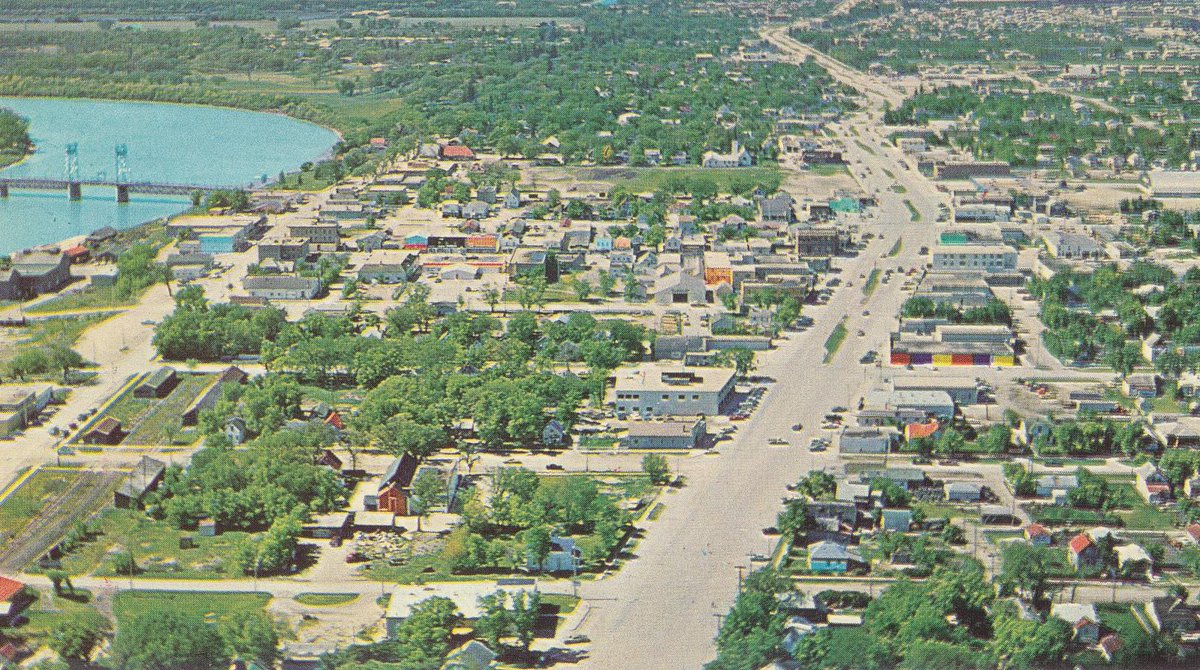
[[74, 190], [122, 193], [3, 189]]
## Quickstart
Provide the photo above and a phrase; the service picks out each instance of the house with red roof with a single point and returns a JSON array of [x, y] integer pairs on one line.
[[457, 152], [12, 598], [1109, 645], [1038, 535], [913, 431], [1192, 534], [1082, 551]]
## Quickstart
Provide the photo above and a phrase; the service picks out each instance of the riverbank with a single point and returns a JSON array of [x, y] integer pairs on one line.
[[15, 144]]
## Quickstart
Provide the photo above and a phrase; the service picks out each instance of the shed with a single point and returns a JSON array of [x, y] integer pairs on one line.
[[144, 477], [157, 385], [105, 431]]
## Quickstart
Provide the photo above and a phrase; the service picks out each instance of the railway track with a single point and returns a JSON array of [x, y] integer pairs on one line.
[[86, 494]]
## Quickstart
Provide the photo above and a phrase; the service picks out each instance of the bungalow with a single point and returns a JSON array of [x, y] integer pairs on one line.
[[909, 479], [1109, 645], [473, 655], [1152, 484], [388, 268], [1082, 552], [1047, 485], [157, 385], [457, 152], [1038, 535], [554, 433], [831, 557], [1132, 558], [12, 598], [1082, 618]]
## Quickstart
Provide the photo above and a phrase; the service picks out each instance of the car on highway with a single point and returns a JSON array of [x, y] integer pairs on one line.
[[839, 410], [867, 358], [797, 427], [777, 442]]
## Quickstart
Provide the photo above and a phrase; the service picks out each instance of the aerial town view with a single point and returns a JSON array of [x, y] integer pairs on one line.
[[600, 334]]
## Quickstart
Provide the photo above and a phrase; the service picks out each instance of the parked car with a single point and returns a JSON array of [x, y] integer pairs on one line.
[[577, 639]]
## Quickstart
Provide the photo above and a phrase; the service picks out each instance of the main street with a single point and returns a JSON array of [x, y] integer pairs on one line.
[[661, 610]]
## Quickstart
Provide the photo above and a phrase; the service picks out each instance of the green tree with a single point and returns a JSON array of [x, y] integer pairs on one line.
[[607, 283], [537, 545], [428, 493], [1027, 570], [495, 619], [581, 288], [525, 612], [77, 637], [251, 635], [169, 640], [655, 467]]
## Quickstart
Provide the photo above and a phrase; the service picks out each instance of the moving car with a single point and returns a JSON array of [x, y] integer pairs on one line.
[[777, 441]]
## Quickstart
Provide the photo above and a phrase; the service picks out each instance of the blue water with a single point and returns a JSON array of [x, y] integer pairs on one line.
[[180, 144]]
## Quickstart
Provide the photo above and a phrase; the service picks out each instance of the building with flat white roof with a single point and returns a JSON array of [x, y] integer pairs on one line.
[[974, 258], [1172, 184], [652, 389]]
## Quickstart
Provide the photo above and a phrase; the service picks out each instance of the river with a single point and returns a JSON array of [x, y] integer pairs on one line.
[[166, 143]]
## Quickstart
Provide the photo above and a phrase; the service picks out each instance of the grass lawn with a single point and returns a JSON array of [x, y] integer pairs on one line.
[[150, 420], [33, 494], [899, 188], [871, 283], [326, 599], [213, 606], [940, 510], [160, 425], [49, 611], [916, 216], [1142, 516], [598, 442], [835, 340], [46, 333], [155, 546], [864, 147], [828, 170], [91, 297], [895, 251]]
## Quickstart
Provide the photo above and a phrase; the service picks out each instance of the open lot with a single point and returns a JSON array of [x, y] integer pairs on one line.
[[154, 421]]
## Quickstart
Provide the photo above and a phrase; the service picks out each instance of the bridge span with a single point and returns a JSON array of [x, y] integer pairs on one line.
[[74, 188]]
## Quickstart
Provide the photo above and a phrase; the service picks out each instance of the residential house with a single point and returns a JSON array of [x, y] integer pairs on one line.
[[384, 267], [13, 597], [737, 157], [831, 557], [1133, 559], [1144, 385], [1047, 485], [1082, 551], [392, 490], [1108, 646], [554, 433], [1084, 622], [1038, 535], [564, 556], [1152, 484]]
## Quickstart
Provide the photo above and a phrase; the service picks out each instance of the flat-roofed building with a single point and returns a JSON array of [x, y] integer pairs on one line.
[[665, 434], [974, 258], [1172, 184], [285, 249], [962, 390], [652, 389], [316, 233]]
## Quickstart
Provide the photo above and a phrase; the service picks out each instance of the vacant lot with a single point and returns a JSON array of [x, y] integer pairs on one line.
[[213, 606]]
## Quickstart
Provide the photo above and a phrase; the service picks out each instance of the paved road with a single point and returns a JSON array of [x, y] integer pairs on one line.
[[664, 604]]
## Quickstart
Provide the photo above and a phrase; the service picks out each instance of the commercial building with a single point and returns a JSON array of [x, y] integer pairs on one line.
[[974, 258], [219, 234], [282, 288], [962, 390], [20, 405], [652, 389], [1172, 184], [866, 440], [665, 435], [1068, 245], [969, 169], [383, 267], [286, 249], [33, 274], [325, 234], [818, 242], [951, 344]]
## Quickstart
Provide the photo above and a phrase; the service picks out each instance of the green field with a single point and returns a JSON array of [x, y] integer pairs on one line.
[[32, 495], [835, 340], [91, 297], [49, 611], [213, 606]]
